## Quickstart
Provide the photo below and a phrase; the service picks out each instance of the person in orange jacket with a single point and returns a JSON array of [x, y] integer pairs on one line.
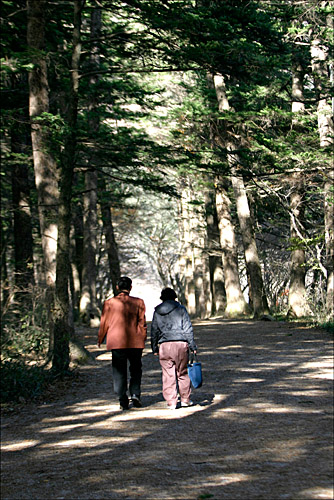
[[123, 322]]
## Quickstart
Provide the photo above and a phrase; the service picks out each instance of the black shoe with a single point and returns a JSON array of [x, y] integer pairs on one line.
[[136, 401], [124, 404]]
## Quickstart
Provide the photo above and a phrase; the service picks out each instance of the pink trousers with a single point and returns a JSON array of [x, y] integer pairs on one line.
[[173, 357]]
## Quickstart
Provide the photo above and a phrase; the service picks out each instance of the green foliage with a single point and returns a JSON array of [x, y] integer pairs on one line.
[[25, 329], [328, 326]]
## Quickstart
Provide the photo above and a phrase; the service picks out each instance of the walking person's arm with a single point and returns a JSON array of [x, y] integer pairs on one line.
[[154, 335], [103, 325], [188, 330], [142, 325]]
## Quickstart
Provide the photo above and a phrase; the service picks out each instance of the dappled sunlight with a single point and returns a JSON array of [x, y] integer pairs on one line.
[[322, 368], [105, 356], [249, 380], [260, 428], [227, 348], [19, 445], [62, 428], [225, 479], [314, 493]]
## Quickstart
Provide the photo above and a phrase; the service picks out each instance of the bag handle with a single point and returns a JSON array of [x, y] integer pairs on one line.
[[192, 357]]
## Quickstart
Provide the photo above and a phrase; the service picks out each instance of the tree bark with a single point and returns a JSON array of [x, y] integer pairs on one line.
[[320, 70], [46, 176], [88, 306], [44, 164], [111, 245], [88, 309], [257, 294], [216, 271], [235, 302], [62, 330], [193, 264], [298, 306]]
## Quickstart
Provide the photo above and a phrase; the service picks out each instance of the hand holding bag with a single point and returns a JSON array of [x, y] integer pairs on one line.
[[195, 371]]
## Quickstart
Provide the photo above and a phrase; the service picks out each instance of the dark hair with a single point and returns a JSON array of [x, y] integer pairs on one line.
[[124, 283], [168, 294]]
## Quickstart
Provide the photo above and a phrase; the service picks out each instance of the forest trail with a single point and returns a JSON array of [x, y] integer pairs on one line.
[[261, 427]]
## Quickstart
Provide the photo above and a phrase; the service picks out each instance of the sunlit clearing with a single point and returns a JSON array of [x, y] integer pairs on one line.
[[20, 445]]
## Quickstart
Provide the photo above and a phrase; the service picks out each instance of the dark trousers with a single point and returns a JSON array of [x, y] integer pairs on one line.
[[120, 359]]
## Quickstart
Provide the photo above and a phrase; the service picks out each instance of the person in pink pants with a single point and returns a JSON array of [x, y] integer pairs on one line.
[[172, 336]]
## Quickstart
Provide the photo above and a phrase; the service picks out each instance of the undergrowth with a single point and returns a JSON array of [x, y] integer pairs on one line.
[[20, 382]]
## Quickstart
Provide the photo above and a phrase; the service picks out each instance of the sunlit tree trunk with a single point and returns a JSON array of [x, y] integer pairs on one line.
[[62, 330], [256, 287], [298, 306], [193, 263], [321, 70], [235, 301], [46, 177]]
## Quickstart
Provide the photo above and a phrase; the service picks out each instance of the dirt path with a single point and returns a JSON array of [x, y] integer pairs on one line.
[[261, 427]]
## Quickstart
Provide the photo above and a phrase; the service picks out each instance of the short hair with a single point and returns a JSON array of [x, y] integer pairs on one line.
[[168, 294], [124, 283]]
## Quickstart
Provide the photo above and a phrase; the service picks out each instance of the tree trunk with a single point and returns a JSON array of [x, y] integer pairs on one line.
[[88, 309], [256, 287], [88, 306], [46, 177], [216, 271], [235, 301], [320, 70], [193, 263], [62, 330], [329, 239], [298, 306], [297, 293], [111, 245]]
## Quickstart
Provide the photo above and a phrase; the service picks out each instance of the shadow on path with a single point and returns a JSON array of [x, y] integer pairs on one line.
[[261, 427]]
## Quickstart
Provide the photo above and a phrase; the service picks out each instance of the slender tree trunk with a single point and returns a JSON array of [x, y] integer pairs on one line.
[[111, 245], [297, 292], [193, 263], [235, 301], [88, 306], [46, 176], [3, 270], [216, 271], [62, 330], [320, 69], [88, 309], [77, 252], [256, 287]]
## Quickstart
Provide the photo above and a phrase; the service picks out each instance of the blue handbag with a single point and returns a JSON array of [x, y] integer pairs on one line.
[[195, 371]]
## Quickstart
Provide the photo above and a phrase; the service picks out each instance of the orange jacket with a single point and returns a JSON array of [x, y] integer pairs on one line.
[[123, 321]]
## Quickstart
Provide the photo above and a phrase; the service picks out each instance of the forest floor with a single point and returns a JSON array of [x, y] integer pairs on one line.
[[261, 426]]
